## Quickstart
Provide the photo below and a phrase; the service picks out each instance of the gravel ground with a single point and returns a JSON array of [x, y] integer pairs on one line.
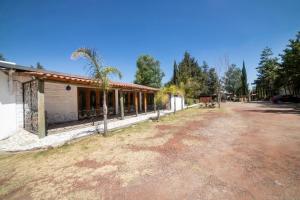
[[242, 151]]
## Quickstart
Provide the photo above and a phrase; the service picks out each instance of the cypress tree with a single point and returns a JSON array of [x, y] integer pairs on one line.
[[244, 80], [175, 74]]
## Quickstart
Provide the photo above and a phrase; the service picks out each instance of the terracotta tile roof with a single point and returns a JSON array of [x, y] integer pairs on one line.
[[70, 78]]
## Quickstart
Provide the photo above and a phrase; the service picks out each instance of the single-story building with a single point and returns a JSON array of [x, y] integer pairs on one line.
[[34, 99]]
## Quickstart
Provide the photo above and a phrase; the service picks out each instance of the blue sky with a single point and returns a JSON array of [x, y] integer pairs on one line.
[[48, 31]]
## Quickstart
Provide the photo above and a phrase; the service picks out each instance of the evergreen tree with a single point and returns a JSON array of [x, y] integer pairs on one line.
[[191, 75], [290, 67], [174, 80], [212, 81], [244, 88], [232, 79], [148, 72], [267, 72], [205, 88]]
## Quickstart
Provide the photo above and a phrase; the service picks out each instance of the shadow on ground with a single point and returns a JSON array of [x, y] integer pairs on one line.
[[283, 108]]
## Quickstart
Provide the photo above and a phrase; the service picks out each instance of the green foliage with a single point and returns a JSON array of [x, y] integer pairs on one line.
[[212, 81], [289, 71], [267, 72], [148, 72], [194, 79], [161, 97], [274, 76], [232, 79], [174, 79], [97, 71], [244, 83]]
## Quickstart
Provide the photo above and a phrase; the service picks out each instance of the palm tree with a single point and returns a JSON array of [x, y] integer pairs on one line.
[[99, 73], [161, 98]]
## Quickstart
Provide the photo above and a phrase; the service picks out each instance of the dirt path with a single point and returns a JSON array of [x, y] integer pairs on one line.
[[243, 151]]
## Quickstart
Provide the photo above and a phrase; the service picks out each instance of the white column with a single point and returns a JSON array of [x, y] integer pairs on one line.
[[117, 101]]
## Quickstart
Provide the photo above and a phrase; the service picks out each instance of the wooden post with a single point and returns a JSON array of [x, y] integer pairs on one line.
[[136, 103], [140, 102], [42, 132], [145, 102], [97, 102], [116, 101], [122, 104], [154, 94], [128, 100], [113, 101], [87, 100]]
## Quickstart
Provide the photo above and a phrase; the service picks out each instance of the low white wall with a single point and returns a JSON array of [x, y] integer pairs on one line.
[[60, 104], [179, 102]]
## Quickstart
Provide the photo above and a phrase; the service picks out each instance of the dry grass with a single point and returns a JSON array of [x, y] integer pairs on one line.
[[86, 163]]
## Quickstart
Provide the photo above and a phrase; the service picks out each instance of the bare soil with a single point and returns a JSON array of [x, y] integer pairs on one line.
[[241, 151]]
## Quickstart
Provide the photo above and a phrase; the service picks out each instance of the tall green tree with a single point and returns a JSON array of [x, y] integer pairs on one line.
[[232, 79], [205, 79], [212, 82], [244, 81], [289, 70], [174, 79], [99, 73], [148, 72], [190, 74], [267, 72]]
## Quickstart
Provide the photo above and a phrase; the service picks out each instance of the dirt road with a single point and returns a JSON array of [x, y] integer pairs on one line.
[[243, 151]]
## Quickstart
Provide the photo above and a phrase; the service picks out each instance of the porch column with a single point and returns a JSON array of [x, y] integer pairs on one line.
[[128, 100], [122, 104], [116, 101], [140, 101], [41, 110], [154, 94], [97, 102], [87, 100], [145, 102], [136, 103]]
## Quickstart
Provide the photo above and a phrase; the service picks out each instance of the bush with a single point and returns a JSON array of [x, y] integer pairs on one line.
[[190, 101]]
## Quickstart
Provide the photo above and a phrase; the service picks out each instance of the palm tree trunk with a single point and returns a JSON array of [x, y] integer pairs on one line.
[[104, 113], [158, 114]]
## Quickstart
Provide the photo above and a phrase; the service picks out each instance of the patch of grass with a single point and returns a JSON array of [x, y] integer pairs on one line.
[[51, 151]]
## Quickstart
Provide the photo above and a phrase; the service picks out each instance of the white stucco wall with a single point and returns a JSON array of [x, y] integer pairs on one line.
[[60, 104], [178, 100], [11, 104], [8, 123]]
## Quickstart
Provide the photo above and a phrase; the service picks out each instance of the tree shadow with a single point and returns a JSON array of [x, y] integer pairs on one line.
[[283, 108]]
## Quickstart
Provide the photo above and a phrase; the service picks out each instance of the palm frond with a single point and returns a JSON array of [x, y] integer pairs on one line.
[[90, 55], [111, 70]]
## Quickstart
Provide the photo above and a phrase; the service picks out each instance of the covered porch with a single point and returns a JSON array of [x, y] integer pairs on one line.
[[120, 102], [54, 101]]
